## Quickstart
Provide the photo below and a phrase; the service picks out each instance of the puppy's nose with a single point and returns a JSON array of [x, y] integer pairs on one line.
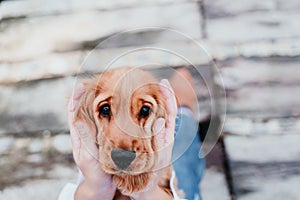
[[122, 158]]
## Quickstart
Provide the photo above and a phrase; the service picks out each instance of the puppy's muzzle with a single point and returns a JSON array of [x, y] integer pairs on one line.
[[122, 158]]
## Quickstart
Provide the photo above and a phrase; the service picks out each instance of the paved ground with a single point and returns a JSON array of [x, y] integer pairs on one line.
[[255, 44]]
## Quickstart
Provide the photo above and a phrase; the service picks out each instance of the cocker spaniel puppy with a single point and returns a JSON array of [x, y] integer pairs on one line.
[[121, 107]]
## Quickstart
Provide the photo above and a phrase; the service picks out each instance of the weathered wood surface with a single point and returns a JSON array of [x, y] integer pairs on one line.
[[60, 64], [28, 38], [39, 40], [256, 72], [48, 66], [279, 100], [240, 21], [261, 87], [33, 8], [35, 106], [229, 8], [264, 167], [253, 27], [214, 185], [261, 125]]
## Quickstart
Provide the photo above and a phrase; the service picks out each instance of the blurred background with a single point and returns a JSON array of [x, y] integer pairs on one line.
[[254, 43]]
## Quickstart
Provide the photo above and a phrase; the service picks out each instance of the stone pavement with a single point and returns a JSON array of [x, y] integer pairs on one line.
[[255, 44]]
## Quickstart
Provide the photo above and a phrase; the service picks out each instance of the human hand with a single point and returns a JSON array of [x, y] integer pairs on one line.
[[97, 184], [164, 130]]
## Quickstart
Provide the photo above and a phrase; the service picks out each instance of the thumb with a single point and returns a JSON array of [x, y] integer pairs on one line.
[[86, 137], [159, 130], [159, 125]]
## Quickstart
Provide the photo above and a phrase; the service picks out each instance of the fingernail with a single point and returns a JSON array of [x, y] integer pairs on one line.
[[159, 125]]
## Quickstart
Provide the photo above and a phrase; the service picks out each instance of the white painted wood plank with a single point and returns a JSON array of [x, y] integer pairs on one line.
[[49, 66], [228, 8], [264, 148], [278, 100], [66, 63], [254, 26], [214, 186], [257, 126], [35, 106], [239, 73], [30, 38], [34, 8], [265, 167]]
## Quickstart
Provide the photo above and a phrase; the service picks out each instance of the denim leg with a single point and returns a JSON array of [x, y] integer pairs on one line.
[[187, 160]]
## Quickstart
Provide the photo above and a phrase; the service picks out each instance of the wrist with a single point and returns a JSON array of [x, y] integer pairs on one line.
[[154, 193], [89, 190], [145, 194], [86, 192]]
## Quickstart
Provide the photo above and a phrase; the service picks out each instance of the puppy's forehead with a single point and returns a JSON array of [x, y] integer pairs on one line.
[[123, 82]]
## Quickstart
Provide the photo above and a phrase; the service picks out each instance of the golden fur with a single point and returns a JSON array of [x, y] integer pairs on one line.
[[126, 91]]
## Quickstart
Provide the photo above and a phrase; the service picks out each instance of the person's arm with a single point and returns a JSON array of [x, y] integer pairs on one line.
[[96, 184]]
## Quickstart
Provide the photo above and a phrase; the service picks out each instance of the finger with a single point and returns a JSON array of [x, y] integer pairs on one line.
[[169, 95], [159, 125], [87, 138], [159, 130], [76, 144], [81, 136], [83, 144], [165, 141], [73, 102]]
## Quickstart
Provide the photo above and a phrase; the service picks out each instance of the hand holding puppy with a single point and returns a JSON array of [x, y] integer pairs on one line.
[[164, 129], [97, 184]]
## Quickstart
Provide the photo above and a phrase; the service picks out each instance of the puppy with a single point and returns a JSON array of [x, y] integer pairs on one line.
[[121, 106]]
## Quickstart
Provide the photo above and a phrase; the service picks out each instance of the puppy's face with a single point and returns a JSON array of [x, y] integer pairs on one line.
[[121, 106]]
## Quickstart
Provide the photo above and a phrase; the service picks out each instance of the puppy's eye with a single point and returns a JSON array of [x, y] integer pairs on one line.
[[104, 111], [145, 112]]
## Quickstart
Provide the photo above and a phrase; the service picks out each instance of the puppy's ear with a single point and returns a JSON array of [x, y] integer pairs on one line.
[[84, 111]]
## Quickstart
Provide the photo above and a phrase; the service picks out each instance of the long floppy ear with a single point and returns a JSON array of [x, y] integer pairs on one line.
[[84, 111]]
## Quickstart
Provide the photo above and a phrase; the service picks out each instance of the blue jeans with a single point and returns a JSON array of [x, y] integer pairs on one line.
[[187, 161]]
